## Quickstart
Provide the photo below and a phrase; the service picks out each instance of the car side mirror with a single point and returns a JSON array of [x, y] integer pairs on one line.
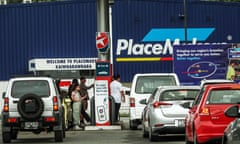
[[232, 111], [143, 101], [3, 95]]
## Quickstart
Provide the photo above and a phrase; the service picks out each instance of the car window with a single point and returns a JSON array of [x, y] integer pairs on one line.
[[224, 97], [199, 96], [146, 84], [152, 97], [173, 95], [37, 87]]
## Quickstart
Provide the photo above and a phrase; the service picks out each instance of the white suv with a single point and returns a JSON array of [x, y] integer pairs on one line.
[[32, 104], [142, 87]]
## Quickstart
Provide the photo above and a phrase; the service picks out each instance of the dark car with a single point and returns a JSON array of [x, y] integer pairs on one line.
[[232, 132]]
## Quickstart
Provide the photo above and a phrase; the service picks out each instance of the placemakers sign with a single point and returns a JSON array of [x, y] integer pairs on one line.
[[157, 44]]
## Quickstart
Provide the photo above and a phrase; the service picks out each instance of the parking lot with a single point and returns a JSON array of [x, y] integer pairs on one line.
[[97, 137]]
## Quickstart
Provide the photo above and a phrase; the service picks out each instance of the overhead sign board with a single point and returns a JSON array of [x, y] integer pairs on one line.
[[62, 64]]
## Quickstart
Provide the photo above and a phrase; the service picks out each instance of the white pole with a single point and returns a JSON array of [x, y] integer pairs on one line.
[[111, 41]]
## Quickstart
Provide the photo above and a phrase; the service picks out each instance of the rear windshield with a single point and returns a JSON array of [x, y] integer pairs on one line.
[[224, 97], [147, 84], [37, 87], [174, 95]]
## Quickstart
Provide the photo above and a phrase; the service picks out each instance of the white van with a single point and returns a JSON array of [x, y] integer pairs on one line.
[[142, 87]]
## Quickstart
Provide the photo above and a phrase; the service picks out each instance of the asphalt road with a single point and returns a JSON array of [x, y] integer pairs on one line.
[[96, 137]]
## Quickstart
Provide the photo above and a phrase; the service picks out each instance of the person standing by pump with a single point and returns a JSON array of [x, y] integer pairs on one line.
[[77, 100], [84, 92], [116, 91]]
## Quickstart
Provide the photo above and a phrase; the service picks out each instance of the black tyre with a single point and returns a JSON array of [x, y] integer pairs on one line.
[[14, 134], [145, 133], [6, 137], [151, 136], [133, 126], [58, 135], [30, 107]]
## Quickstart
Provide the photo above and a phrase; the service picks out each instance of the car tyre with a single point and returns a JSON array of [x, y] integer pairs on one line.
[[6, 137], [133, 126], [34, 115], [14, 134], [224, 140], [58, 136], [151, 136], [145, 133]]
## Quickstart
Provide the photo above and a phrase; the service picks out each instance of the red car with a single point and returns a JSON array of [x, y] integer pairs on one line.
[[206, 121]]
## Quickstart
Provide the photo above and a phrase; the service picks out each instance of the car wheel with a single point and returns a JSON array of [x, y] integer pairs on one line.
[[195, 141], [133, 125], [14, 134], [224, 140], [145, 133], [151, 136], [6, 137], [58, 136], [30, 107]]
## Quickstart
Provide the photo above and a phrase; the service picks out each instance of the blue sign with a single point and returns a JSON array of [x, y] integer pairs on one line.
[[161, 34], [192, 63], [102, 69], [233, 53]]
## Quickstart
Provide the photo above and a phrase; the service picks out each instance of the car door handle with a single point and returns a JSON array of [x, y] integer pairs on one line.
[[15, 101]]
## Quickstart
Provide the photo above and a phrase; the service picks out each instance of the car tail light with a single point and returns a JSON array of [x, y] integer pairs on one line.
[[204, 111], [132, 102], [49, 119], [6, 105], [162, 104], [158, 125], [12, 120], [55, 103]]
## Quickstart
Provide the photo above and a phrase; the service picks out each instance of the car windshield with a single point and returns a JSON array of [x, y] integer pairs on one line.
[[173, 95], [224, 97], [147, 84], [37, 87]]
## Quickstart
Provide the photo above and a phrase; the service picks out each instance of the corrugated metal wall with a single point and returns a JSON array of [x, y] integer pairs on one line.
[[63, 29], [67, 29], [133, 19]]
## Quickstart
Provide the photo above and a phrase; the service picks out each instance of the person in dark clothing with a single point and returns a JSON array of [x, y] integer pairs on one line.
[[70, 88], [84, 92]]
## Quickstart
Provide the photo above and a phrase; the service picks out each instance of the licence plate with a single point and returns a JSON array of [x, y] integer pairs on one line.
[[31, 125], [179, 123]]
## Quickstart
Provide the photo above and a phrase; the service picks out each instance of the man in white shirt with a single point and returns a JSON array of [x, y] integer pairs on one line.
[[117, 93]]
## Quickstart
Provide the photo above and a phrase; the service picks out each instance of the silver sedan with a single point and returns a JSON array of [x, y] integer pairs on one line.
[[166, 109]]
